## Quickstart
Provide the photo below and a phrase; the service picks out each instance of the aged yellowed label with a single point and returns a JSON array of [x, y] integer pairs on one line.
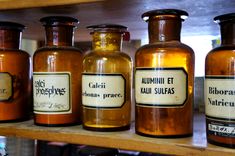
[[220, 97], [161, 87], [103, 90], [6, 86], [52, 92]]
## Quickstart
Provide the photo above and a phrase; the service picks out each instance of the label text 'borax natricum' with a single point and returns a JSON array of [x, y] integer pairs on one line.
[[220, 102]]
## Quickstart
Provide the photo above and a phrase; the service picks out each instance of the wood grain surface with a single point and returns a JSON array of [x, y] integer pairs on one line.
[[22, 4], [127, 140], [124, 12]]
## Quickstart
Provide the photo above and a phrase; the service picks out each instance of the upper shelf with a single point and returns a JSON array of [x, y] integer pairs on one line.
[[23, 4], [128, 13], [128, 140]]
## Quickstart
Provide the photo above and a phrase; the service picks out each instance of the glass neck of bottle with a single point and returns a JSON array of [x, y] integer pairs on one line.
[[227, 33], [59, 36], [162, 30], [10, 39], [107, 41]]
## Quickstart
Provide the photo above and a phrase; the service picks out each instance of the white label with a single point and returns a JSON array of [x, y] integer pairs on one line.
[[51, 92], [103, 90], [228, 131], [5, 86], [163, 87], [220, 97]]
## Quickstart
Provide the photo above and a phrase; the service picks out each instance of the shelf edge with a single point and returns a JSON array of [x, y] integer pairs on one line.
[[24, 4]]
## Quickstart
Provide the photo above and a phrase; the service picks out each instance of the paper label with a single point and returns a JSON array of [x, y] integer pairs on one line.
[[52, 92], [103, 90], [6, 87], [220, 97], [223, 130], [161, 87]]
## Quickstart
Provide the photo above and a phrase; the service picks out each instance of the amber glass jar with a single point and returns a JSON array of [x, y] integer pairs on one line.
[[220, 86], [164, 77], [57, 75], [15, 74], [106, 81]]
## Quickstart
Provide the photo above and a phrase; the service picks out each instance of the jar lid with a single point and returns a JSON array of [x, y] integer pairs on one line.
[[59, 20], [97, 151], [182, 14], [11, 25], [110, 27], [225, 17]]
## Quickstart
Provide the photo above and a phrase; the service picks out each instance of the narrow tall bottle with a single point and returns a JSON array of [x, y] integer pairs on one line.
[[57, 75], [220, 86], [164, 77], [106, 81], [15, 74]]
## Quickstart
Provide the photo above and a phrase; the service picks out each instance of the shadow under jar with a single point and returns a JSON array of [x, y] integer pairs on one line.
[[15, 74], [220, 86], [164, 77], [57, 75], [106, 81]]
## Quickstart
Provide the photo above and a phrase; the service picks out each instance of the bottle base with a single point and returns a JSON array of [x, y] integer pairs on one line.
[[57, 125], [113, 129], [14, 120], [221, 144], [164, 136]]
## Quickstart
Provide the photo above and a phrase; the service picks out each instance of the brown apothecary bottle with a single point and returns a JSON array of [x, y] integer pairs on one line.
[[15, 74], [106, 81], [57, 75], [164, 78], [220, 86]]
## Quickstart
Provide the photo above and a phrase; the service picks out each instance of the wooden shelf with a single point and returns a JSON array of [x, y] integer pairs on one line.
[[128, 13], [22, 4], [125, 12], [127, 140]]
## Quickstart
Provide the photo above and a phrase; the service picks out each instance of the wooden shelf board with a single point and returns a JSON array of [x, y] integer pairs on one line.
[[22, 4], [127, 140], [128, 13]]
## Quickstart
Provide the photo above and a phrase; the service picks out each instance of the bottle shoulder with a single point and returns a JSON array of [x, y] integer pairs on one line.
[[48, 49], [220, 61], [105, 54], [171, 46], [225, 53], [107, 62], [223, 49], [15, 52]]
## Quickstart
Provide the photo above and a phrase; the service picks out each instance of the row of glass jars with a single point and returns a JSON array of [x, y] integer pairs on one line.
[[95, 90]]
